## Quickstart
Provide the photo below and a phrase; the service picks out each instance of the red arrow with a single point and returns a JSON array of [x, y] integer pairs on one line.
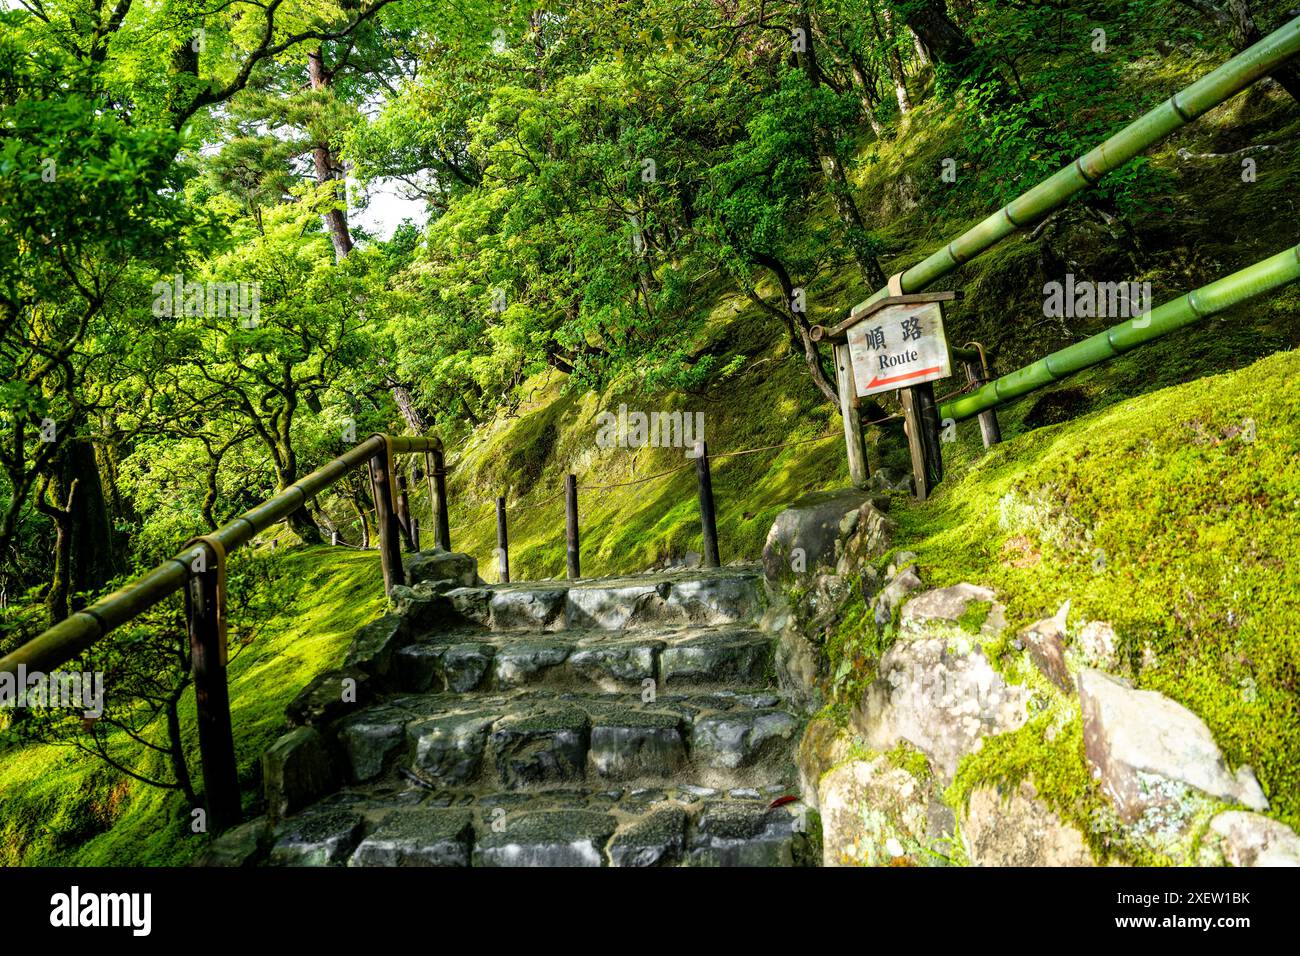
[[904, 377]]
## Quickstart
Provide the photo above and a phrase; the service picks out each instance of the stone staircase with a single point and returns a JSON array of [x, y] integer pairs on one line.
[[624, 722]]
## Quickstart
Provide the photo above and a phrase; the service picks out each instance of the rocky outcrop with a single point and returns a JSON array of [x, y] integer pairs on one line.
[[819, 552], [1146, 751], [936, 689], [1012, 826], [877, 814], [1251, 839]]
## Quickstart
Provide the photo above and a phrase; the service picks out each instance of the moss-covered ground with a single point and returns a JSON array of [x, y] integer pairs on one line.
[[1132, 490], [62, 808]]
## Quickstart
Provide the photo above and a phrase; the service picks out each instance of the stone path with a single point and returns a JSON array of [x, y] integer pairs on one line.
[[624, 722]]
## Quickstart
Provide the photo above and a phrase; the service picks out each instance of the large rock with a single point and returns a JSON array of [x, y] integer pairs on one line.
[[369, 739], [329, 696], [375, 645], [436, 565], [809, 537], [317, 839], [824, 744], [738, 658], [877, 814], [449, 748], [543, 748], [1044, 641], [1015, 828], [1250, 839], [747, 834], [239, 846], [741, 739], [656, 839], [418, 838], [637, 744], [1145, 750], [548, 838], [945, 604], [937, 691], [531, 607], [297, 770]]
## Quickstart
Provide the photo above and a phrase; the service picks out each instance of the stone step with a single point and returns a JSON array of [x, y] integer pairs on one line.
[[536, 738], [464, 660], [671, 599], [685, 825]]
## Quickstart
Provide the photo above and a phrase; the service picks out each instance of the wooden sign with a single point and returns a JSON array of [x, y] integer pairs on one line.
[[897, 347]]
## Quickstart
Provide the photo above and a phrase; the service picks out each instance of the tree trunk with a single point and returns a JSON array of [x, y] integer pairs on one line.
[[866, 95], [84, 552], [328, 170], [833, 170], [947, 43], [889, 40], [1245, 33]]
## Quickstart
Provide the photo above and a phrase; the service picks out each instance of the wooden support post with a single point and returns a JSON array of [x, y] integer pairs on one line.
[[921, 421], [404, 514], [437, 474], [854, 443], [503, 545], [708, 518], [212, 701], [990, 431], [390, 532], [571, 526]]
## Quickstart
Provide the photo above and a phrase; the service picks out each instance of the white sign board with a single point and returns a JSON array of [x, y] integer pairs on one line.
[[897, 347]]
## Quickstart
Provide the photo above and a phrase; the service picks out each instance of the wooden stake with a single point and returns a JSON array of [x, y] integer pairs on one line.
[[708, 518], [212, 701], [404, 514], [571, 526], [437, 472], [854, 443], [503, 546], [390, 532], [990, 431], [921, 422]]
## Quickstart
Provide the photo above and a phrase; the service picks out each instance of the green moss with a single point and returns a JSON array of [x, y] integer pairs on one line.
[[1166, 516], [906, 757], [973, 618], [62, 808], [1049, 753]]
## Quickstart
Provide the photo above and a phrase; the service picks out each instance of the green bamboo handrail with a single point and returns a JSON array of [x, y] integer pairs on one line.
[[1263, 276], [76, 633], [1143, 133]]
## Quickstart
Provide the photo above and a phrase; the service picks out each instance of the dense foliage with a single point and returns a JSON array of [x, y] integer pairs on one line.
[[191, 318]]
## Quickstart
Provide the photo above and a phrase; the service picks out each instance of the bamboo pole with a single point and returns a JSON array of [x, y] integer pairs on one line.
[[1054, 192], [1264, 276]]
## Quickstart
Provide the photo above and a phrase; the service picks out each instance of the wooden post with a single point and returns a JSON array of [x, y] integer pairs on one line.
[[437, 474], [990, 431], [571, 526], [212, 701], [921, 421], [854, 443], [415, 532], [404, 514], [708, 518], [390, 533], [503, 546]]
